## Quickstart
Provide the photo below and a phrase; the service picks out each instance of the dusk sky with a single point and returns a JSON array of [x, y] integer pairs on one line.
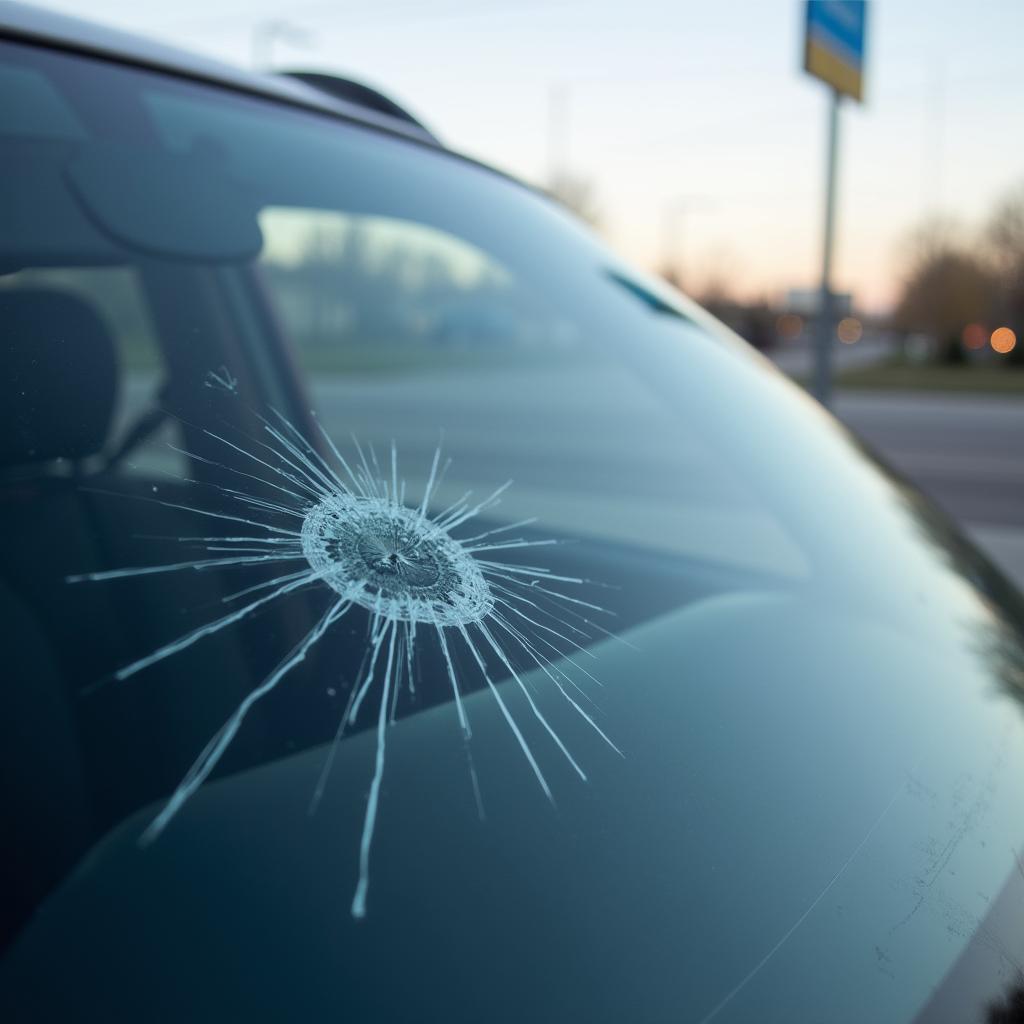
[[698, 107]]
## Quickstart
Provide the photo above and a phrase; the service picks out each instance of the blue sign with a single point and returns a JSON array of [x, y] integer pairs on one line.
[[834, 44]]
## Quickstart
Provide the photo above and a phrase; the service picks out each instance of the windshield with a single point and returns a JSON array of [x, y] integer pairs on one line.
[[355, 489]]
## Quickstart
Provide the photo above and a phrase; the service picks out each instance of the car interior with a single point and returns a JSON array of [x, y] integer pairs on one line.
[[120, 319]]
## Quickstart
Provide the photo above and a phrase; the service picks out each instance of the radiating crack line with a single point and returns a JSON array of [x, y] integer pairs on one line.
[[404, 568]]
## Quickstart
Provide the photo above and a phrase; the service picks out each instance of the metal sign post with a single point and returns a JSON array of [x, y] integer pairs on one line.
[[833, 52], [823, 341]]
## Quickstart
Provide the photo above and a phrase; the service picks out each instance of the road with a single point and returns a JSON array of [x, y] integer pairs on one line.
[[965, 452]]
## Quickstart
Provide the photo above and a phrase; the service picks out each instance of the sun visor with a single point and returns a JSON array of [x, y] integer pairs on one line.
[[40, 223], [166, 205]]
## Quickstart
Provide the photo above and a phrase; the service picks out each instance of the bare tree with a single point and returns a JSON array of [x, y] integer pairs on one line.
[[948, 284], [1005, 235]]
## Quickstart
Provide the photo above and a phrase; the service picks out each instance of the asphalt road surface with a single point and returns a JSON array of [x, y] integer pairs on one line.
[[965, 452]]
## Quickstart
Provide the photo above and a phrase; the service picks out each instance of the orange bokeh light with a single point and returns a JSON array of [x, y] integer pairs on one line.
[[849, 330], [1003, 340], [975, 336]]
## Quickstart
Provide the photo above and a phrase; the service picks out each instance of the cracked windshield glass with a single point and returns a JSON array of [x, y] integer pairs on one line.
[[333, 434], [345, 462]]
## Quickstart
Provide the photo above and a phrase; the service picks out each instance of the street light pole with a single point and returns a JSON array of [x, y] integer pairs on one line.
[[558, 133], [266, 33], [826, 319], [675, 230]]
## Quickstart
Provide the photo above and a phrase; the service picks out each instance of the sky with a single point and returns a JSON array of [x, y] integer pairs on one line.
[[702, 138]]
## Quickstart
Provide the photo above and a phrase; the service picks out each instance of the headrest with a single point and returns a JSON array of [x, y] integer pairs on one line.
[[58, 377]]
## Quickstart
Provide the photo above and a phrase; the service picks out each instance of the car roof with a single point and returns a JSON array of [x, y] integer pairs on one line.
[[35, 25]]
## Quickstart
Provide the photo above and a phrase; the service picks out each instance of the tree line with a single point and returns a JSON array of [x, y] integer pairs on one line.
[[961, 285]]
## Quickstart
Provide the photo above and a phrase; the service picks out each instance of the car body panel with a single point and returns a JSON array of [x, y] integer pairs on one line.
[[48, 28]]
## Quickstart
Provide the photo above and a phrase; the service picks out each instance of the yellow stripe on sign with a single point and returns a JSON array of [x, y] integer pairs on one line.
[[824, 63]]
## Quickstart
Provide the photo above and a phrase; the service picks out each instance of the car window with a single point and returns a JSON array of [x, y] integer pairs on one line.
[[379, 549]]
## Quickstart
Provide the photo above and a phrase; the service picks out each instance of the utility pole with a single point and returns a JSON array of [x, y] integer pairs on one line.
[[674, 234], [558, 133], [935, 142], [825, 339]]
